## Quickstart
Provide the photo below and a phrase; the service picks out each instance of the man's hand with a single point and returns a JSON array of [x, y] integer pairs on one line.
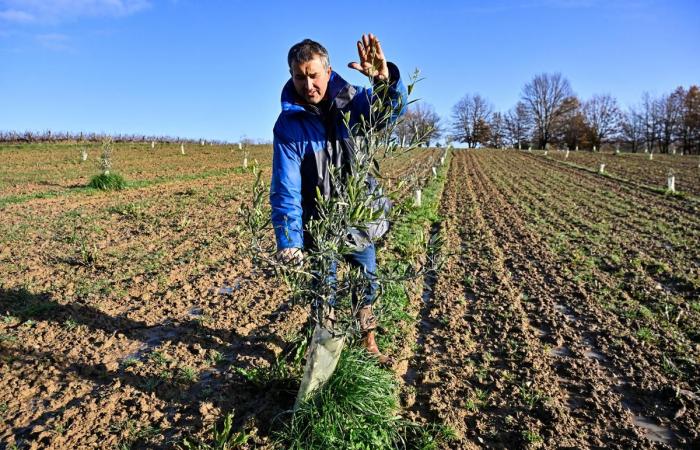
[[372, 61], [292, 256]]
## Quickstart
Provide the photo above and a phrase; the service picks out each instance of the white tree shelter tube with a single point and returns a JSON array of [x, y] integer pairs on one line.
[[323, 356]]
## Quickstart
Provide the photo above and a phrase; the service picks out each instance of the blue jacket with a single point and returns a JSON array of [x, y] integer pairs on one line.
[[303, 149]]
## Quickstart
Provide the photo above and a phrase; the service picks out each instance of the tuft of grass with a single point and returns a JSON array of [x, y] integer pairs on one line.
[[130, 361], [6, 337], [108, 182], [646, 335], [187, 374], [8, 319], [532, 437], [214, 357], [70, 324], [159, 358], [531, 396], [357, 408], [221, 439], [129, 433]]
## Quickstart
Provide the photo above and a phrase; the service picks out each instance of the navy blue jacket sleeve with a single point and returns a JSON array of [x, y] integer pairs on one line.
[[285, 191]]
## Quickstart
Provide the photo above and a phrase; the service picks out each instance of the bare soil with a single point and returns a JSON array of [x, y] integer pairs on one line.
[[637, 167], [566, 315], [134, 319], [526, 341]]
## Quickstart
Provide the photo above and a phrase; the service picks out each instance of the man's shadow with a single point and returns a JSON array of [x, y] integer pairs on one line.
[[228, 384]]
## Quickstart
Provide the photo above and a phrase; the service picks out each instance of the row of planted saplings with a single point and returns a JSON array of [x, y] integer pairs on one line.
[[418, 193], [84, 151], [113, 181], [670, 179]]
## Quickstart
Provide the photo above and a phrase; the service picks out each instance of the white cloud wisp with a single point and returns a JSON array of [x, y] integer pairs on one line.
[[56, 11]]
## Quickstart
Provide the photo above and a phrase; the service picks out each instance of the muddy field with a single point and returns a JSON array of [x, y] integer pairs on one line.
[[57, 168], [133, 319], [638, 168], [567, 314]]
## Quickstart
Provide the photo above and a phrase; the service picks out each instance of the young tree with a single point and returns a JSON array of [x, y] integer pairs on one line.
[[470, 117], [544, 98], [602, 117]]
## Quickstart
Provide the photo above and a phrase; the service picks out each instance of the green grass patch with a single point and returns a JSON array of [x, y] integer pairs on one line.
[[357, 409], [108, 182], [223, 438]]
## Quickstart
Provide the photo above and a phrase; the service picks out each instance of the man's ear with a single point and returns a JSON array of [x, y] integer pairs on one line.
[[328, 72]]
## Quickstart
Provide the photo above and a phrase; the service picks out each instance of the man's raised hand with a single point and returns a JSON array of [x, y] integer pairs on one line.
[[372, 61]]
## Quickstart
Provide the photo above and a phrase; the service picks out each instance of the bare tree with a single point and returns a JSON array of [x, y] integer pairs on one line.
[[420, 123], [602, 117], [544, 98], [470, 118], [497, 131], [651, 118], [670, 109], [517, 127], [632, 128]]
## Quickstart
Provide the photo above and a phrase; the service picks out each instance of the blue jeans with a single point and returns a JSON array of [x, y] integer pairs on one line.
[[366, 260]]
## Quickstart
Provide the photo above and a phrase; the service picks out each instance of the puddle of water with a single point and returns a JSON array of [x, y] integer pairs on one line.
[[411, 376], [565, 311], [152, 338], [574, 403], [210, 375], [430, 277], [157, 335], [539, 332], [594, 354], [195, 312], [651, 430], [560, 351], [226, 289]]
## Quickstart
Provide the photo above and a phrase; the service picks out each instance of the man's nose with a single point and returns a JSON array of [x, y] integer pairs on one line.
[[309, 84]]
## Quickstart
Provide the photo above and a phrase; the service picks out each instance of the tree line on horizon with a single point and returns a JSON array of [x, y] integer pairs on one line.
[[66, 136], [550, 115]]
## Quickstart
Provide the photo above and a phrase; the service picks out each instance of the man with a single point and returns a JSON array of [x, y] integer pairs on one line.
[[310, 136]]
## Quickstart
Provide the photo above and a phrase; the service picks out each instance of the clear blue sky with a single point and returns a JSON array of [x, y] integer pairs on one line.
[[214, 69]]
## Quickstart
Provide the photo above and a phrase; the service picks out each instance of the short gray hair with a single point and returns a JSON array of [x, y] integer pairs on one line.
[[307, 50]]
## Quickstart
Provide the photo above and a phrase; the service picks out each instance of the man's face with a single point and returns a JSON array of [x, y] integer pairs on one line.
[[311, 80]]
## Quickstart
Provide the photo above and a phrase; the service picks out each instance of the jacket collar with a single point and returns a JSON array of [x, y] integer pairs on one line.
[[339, 91]]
